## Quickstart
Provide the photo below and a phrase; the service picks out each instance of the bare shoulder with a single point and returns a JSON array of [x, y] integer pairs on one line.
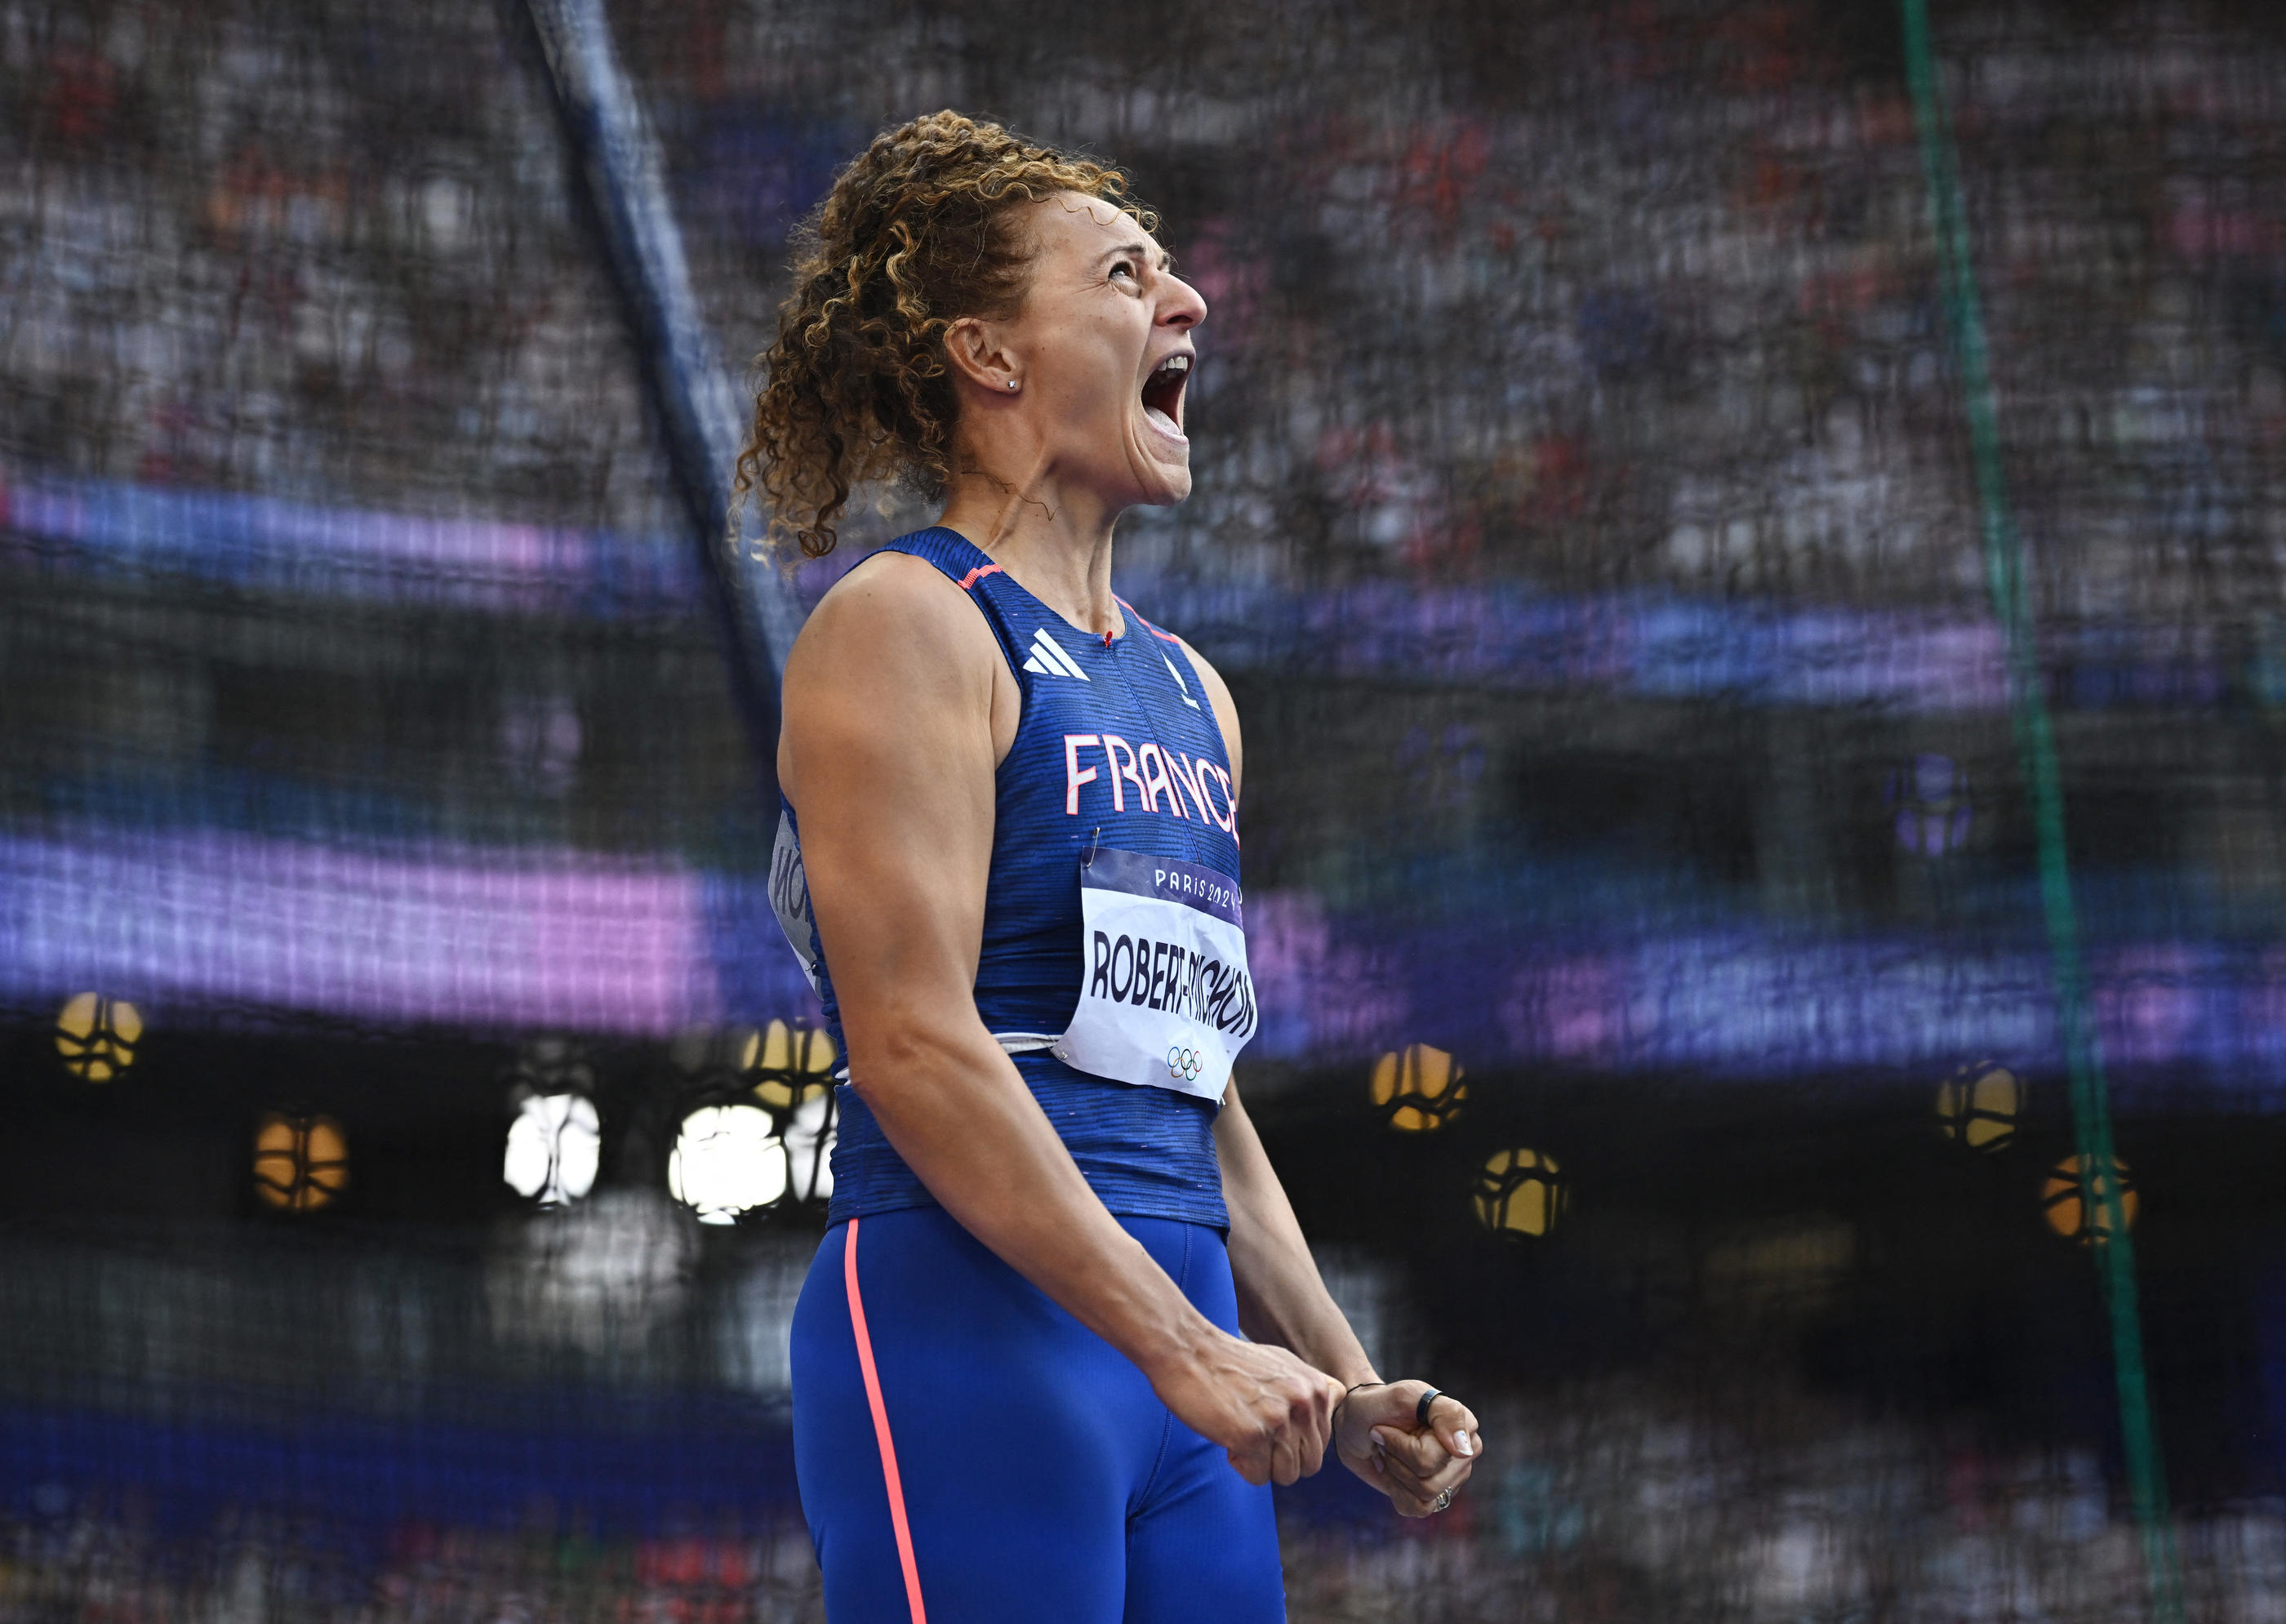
[[892, 665], [898, 617]]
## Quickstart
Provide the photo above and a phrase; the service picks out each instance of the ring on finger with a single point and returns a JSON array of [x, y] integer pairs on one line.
[[1444, 1501]]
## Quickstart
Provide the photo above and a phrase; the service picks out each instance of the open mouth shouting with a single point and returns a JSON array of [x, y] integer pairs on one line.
[[1163, 394]]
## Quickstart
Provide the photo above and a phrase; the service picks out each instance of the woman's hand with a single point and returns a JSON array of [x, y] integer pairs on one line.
[[1379, 1436], [1272, 1412]]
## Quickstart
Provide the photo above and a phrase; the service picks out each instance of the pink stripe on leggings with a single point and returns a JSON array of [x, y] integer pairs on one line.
[[881, 1428]]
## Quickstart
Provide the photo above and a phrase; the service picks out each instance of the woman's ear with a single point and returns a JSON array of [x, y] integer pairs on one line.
[[974, 348]]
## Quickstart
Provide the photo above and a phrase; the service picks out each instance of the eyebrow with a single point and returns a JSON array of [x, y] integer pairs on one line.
[[1141, 250]]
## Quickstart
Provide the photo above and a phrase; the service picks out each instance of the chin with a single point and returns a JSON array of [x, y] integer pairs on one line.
[[1156, 480], [1172, 487]]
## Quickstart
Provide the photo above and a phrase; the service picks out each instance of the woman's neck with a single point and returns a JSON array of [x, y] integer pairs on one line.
[[1055, 544]]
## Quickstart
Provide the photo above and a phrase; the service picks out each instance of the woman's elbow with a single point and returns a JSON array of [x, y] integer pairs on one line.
[[896, 1049]]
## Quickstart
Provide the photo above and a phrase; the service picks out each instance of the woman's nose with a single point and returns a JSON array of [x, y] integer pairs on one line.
[[1184, 307]]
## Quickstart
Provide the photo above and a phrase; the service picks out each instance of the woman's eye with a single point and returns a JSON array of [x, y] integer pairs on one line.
[[1126, 268]]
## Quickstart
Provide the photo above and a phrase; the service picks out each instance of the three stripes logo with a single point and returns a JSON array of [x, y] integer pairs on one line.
[[1048, 658]]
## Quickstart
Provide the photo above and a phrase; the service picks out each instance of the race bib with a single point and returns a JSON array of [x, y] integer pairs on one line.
[[790, 900], [1164, 996]]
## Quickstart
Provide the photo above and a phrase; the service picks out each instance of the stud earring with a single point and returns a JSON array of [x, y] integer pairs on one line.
[[1012, 384]]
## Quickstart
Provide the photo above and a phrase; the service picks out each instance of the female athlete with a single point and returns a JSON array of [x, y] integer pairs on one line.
[[1064, 1331]]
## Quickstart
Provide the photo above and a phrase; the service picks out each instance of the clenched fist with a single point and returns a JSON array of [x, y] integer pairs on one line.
[[1272, 1412], [1381, 1439]]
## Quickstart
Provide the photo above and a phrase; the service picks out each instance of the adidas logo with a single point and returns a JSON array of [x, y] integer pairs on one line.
[[1049, 659]]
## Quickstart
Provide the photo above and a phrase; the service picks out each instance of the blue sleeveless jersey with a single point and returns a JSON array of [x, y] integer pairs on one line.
[[1116, 746]]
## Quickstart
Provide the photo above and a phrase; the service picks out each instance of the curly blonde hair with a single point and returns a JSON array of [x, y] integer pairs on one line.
[[920, 231]]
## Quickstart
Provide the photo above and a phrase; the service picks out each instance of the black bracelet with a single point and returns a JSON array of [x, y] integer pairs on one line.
[[1421, 1410], [1345, 1396]]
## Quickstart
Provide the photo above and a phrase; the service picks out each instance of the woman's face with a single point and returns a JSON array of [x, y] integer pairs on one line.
[[1102, 351]]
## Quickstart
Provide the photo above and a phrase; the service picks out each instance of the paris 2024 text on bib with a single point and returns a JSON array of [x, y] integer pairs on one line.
[[1164, 995]]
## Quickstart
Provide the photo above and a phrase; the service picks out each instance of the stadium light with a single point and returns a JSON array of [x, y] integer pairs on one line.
[[554, 1145], [97, 1036], [809, 1135], [1980, 1103], [301, 1162], [1418, 1089], [727, 1160], [2075, 1205], [795, 1063], [1521, 1193]]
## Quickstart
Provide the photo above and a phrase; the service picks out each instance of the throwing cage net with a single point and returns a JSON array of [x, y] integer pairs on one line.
[[1609, 424]]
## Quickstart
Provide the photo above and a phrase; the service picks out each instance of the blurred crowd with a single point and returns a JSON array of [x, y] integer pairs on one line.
[[320, 253], [1591, 296], [1616, 1500], [1711, 1481], [1631, 295]]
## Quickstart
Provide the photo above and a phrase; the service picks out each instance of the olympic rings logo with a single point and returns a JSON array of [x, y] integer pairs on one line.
[[1184, 1065]]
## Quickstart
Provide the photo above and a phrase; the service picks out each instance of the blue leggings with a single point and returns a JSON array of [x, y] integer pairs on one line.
[[1040, 1477]]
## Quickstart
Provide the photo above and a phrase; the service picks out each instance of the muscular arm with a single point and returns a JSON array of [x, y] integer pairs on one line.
[[1283, 1298], [888, 755]]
